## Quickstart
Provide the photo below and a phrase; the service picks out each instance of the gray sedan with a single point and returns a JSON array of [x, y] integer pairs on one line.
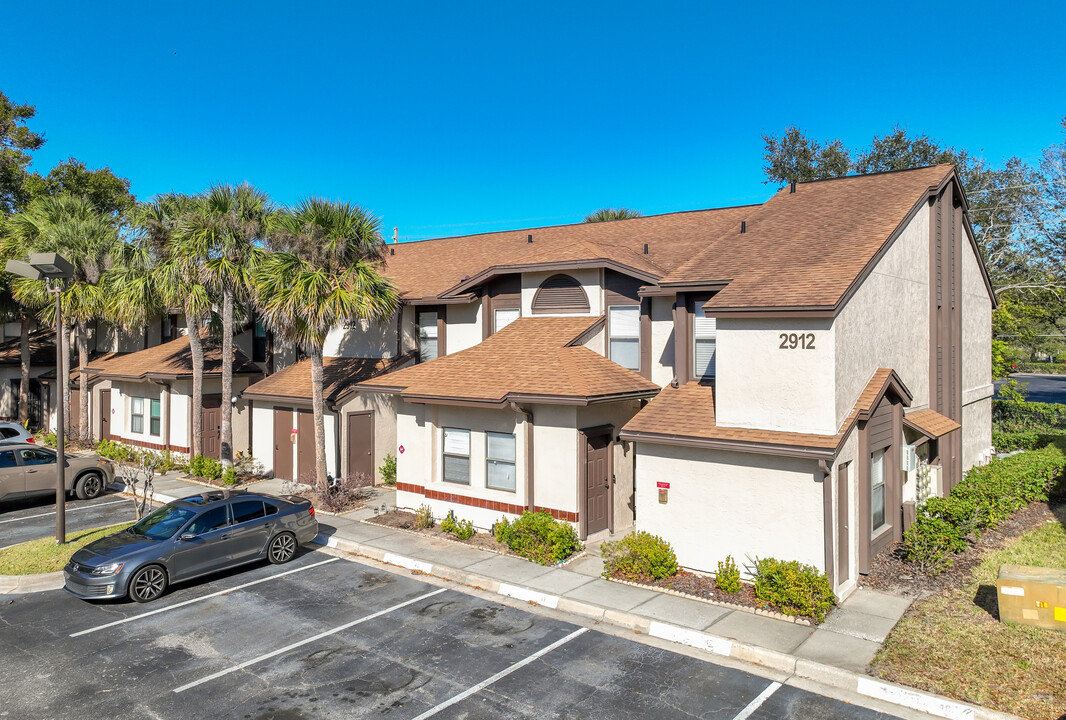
[[28, 469], [188, 538]]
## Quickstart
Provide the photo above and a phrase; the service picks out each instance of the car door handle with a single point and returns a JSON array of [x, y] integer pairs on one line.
[[31, 471], [224, 537]]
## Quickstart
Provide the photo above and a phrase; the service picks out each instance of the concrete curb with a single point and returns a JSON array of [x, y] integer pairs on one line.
[[19, 584], [725, 647]]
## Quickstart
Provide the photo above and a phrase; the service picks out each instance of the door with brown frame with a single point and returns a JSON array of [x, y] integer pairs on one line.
[[361, 444], [305, 446], [105, 414], [211, 432], [597, 481], [283, 443]]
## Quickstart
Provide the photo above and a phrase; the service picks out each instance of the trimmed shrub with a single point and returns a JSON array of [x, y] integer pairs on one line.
[[930, 543], [114, 450], [537, 536], [205, 467], [424, 517], [966, 515], [639, 556], [462, 529], [388, 470], [728, 577], [794, 588]]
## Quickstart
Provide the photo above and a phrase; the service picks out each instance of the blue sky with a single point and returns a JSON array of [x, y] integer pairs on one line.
[[454, 118]]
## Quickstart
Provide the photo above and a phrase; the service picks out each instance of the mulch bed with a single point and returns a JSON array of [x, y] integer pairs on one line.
[[404, 520], [889, 572]]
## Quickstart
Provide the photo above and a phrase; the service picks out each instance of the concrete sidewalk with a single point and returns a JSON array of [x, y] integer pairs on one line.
[[836, 653]]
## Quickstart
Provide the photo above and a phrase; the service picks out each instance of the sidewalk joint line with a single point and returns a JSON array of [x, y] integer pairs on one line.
[[205, 597], [301, 643], [500, 675]]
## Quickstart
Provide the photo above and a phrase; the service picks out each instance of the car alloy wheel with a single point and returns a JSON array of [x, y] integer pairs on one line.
[[282, 548], [148, 583], [89, 486]]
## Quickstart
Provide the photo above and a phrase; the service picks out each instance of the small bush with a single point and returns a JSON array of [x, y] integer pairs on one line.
[[930, 543], [115, 451], [966, 514], [205, 467], [462, 529], [728, 577], [47, 439], [424, 517], [339, 494], [538, 536], [795, 588], [229, 477], [246, 464], [639, 556], [388, 470]]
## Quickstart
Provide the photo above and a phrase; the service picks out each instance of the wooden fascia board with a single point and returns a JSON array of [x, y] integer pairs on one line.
[[489, 273], [808, 311], [758, 448], [529, 398], [441, 300], [671, 288]]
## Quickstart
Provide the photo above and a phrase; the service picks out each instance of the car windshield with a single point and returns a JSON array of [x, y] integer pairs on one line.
[[163, 523]]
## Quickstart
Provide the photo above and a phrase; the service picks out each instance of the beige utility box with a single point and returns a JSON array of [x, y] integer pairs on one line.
[[1032, 596]]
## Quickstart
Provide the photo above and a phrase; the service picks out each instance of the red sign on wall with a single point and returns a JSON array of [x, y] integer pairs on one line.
[[663, 485], [401, 449]]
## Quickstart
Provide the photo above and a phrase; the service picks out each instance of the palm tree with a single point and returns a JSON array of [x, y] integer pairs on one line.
[[326, 269], [169, 276], [12, 248], [230, 231], [72, 226], [607, 214]]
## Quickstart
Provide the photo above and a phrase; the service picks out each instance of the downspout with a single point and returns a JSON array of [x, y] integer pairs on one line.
[[529, 454]]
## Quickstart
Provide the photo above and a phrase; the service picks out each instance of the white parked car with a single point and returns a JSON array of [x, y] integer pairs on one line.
[[13, 432]]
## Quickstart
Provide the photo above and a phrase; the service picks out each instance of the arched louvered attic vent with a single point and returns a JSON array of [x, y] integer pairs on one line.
[[560, 294]]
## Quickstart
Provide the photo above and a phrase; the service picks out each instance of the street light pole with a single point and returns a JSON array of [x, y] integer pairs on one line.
[[56, 286]]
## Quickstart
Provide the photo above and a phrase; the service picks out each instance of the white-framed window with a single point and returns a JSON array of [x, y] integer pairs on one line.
[[504, 317], [137, 415], [500, 461], [427, 336], [456, 455], [877, 490], [704, 333], [155, 417], [623, 323]]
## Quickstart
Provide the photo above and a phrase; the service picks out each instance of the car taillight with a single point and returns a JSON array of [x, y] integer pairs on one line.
[[31, 439], [311, 511]]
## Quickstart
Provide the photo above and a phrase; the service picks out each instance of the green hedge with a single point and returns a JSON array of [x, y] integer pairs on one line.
[[795, 588], [987, 495], [1011, 416], [538, 537], [638, 556], [1040, 368]]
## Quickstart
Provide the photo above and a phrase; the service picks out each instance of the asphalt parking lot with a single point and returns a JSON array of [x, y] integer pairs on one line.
[[33, 518], [326, 637]]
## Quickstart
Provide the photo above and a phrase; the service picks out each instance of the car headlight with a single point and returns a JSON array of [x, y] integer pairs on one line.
[[109, 569]]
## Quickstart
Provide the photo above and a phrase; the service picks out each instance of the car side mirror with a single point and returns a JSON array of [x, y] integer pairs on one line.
[[186, 537]]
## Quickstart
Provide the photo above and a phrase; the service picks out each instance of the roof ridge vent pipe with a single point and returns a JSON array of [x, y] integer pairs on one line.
[[743, 226], [792, 187], [529, 238], [395, 235]]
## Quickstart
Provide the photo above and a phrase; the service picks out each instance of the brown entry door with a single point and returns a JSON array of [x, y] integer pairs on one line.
[[361, 445], [305, 447], [211, 434], [597, 483], [105, 414], [283, 443]]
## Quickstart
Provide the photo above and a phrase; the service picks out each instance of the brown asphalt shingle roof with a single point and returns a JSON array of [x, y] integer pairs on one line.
[[687, 411], [429, 267], [42, 349], [338, 374], [930, 423], [805, 249], [530, 357], [171, 359]]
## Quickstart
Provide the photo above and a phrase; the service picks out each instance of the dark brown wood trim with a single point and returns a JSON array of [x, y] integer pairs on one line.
[[442, 331], [730, 445], [682, 343], [486, 316], [863, 478], [709, 286], [491, 273], [645, 338], [435, 300], [828, 537], [483, 503], [770, 313]]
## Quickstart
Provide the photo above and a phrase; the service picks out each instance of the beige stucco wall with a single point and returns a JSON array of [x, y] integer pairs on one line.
[[591, 280], [847, 456], [464, 326], [976, 432], [383, 407], [886, 322], [724, 503], [662, 340], [976, 362], [760, 385], [362, 338]]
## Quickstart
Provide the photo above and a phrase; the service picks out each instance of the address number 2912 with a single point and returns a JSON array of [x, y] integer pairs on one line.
[[796, 341]]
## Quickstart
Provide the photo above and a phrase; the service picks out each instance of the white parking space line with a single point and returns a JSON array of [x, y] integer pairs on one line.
[[301, 643], [502, 674], [758, 701], [69, 510], [205, 597]]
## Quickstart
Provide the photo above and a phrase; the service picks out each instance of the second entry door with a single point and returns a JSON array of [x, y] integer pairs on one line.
[[597, 483], [305, 446], [211, 432], [361, 445]]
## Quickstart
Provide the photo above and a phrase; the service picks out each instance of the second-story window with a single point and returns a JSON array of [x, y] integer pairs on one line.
[[259, 342], [504, 317], [427, 336], [704, 339], [623, 325]]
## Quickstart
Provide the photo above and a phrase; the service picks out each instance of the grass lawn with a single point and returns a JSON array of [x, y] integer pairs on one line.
[[953, 644], [44, 556]]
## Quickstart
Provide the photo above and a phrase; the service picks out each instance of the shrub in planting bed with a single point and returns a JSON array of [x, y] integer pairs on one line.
[[795, 588], [539, 537], [639, 556]]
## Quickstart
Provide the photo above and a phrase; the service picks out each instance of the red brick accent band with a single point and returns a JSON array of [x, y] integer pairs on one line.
[[150, 446], [482, 502]]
